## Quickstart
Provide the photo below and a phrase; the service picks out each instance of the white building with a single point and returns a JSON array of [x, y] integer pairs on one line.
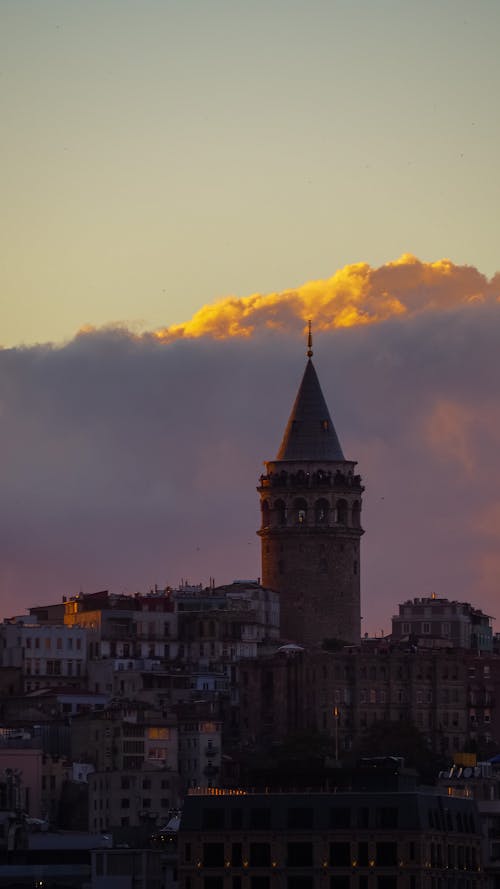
[[49, 655]]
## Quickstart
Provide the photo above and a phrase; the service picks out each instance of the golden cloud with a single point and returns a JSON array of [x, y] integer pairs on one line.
[[356, 294]]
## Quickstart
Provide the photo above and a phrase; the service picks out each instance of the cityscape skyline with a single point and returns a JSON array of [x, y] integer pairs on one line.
[[184, 186], [129, 461]]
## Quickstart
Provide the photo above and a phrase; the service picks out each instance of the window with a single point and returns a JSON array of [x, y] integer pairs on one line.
[[426, 628], [299, 854], [340, 817], [125, 803], [213, 819], [213, 854], [236, 855], [213, 883], [236, 819], [363, 817], [260, 855], [386, 854], [259, 883], [363, 854], [158, 733], [386, 817], [340, 854], [300, 883]]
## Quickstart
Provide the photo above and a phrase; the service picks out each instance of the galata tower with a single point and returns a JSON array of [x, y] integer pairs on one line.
[[310, 498]]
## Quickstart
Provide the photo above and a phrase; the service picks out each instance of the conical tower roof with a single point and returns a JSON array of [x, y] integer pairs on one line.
[[310, 433]]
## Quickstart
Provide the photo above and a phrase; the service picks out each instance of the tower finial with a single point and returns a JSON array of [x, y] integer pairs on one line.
[[309, 343]]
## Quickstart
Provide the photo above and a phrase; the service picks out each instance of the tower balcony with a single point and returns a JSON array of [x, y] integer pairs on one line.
[[320, 478]]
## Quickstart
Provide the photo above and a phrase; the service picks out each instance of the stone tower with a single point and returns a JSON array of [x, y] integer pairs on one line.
[[310, 498]]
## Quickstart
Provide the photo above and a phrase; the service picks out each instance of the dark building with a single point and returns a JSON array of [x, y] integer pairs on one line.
[[399, 837], [310, 499]]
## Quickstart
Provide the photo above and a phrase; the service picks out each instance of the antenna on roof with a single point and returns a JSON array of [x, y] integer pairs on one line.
[[309, 343]]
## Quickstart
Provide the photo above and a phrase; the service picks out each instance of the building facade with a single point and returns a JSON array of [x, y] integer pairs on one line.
[[439, 620], [365, 839]]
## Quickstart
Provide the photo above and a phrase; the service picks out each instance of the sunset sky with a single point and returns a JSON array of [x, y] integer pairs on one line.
[[184, 184]]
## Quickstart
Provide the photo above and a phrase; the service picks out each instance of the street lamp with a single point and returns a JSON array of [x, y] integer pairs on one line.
[[336, 715]]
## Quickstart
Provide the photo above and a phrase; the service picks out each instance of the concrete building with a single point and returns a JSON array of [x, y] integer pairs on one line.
[[387, 836], [310, 499], [21, 767], [131, 798], [48, 654], [343, 693], [479, 781], [200, 745], [440, 621], [125, 735], [226, 623]]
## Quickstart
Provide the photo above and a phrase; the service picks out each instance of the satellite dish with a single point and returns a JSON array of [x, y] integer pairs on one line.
[[468, 772]]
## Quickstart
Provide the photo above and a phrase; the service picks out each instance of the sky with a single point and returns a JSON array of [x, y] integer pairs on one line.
[[183, 185]]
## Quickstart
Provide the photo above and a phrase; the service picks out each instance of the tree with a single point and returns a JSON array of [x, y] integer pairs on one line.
[[394, 738]]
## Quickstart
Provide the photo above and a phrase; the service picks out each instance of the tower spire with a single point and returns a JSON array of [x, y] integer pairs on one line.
[[310, 343]]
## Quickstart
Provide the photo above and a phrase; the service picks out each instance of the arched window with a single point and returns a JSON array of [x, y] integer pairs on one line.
[[321, 508], [265, 513], [300, 511], [356, 514], [342, 512], [280, 510]]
